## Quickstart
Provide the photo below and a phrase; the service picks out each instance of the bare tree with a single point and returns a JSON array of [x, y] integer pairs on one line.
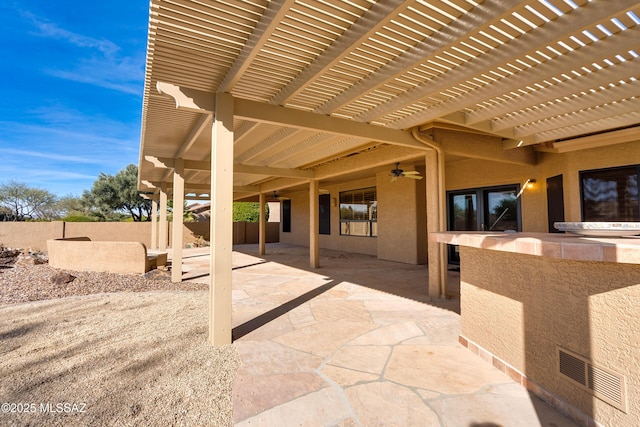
[[22, 203]]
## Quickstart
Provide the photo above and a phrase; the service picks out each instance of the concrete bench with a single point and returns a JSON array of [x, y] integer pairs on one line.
[[83, 254]]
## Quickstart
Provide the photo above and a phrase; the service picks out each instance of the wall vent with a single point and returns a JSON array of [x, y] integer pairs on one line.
[[604, 384]]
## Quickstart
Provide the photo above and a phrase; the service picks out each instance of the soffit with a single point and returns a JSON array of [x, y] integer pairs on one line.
[[531, 72]]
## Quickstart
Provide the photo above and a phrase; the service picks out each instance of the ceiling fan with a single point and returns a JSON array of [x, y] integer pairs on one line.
[[274, 197], [397, 173]]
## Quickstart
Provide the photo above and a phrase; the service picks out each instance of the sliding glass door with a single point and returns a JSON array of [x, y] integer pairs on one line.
[[463, 211], [483, 209], [501, 210]]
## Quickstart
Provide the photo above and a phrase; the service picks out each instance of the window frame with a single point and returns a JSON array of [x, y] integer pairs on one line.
[[581, 179], [324, 214], [286, 215], [372, 211]]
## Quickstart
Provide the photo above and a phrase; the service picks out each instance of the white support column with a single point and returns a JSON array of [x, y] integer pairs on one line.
[[263, 226], [221, 221], [314, 220], [178, 221], [437, 256], [163, 232], [154, 223]]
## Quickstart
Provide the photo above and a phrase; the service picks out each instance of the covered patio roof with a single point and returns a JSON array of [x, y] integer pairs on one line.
[[245, 97], [314, 82]]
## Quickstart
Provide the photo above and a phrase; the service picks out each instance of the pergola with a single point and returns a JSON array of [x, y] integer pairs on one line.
[[246, 97]]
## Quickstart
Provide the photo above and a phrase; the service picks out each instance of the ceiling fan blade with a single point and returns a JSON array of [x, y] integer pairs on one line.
[[394, 178], [413, 176], [412, 173]]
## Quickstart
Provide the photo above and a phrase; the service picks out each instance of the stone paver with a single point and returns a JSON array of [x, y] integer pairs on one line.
[[355, 343]]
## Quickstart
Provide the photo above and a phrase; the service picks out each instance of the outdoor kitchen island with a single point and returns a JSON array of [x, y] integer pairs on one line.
[[559, 313]]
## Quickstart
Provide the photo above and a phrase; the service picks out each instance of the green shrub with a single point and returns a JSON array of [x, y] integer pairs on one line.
[[247, 212], [79, 218]]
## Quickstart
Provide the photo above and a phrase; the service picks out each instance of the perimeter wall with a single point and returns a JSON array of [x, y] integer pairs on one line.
[[34, 235]]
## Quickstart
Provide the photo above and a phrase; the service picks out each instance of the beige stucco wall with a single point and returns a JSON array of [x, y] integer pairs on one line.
[[520, 307], [401, 219], [35, 234], [30, 234], [465, 174]]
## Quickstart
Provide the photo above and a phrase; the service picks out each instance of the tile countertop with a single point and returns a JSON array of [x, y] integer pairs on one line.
[[624, 250]]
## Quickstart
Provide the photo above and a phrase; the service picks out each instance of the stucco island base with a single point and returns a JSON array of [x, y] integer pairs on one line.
[[518, 309]]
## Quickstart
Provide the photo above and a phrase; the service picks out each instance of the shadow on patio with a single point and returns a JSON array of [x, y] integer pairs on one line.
[[355, 343]]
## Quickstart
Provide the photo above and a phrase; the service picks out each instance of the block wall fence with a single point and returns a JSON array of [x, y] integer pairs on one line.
[[34, 235]]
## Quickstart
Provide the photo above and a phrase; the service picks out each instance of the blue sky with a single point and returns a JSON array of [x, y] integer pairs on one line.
[[71, 80]]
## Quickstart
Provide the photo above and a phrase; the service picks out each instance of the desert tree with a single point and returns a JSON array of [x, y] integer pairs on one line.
[[19, 202], [118, 194]]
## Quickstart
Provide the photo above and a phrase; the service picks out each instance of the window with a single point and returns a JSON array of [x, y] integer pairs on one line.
[[359, 213], [324, 203], [610, 194], [286, 216]]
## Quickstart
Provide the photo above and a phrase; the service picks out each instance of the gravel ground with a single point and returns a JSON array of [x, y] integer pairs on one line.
[[22, 283], [109, 349]]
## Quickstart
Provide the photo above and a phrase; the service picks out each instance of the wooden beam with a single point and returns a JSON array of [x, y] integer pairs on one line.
[[489, 148], [289, 117], [188, 187], [601, 140], [275, 12], [169, 163], [195, 132], [246, 189], [203, 102], [280, 172], [188, 99], [371, 159]]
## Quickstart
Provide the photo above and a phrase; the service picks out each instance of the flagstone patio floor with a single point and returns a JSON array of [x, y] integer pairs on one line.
[[357, 343]]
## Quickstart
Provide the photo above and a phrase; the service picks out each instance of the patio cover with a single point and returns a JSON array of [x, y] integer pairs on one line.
[[289, 93]]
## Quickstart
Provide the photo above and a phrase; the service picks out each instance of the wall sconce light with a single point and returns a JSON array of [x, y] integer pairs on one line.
[[529, 183]]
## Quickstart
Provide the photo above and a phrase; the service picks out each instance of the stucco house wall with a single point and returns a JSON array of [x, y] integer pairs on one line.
[[299, 234], [465, 174], [401, 205], [401, 219]]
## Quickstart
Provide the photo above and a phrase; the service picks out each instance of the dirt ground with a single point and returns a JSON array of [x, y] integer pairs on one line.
[[134, 358]]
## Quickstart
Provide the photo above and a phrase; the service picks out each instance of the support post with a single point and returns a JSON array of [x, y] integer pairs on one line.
[[314, 220], [262, 235], [437, 258], [154, 223], [164, 229], [178, 221], [221, 221]]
